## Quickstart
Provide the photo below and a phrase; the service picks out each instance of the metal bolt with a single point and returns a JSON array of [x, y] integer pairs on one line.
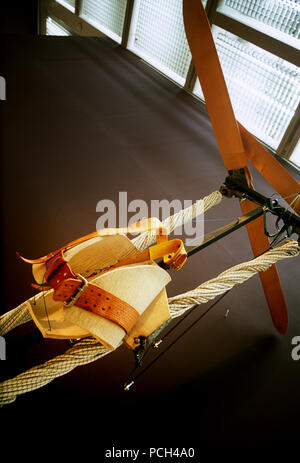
[[128, 386], [157, 343]]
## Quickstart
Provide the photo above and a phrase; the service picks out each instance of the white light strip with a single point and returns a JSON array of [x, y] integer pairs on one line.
[[69, 4], [295, 158], [54, 28]]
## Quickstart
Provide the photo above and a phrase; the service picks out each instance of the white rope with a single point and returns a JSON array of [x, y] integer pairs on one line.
[[85, 351], [147, 239], [89, 349], [14, 318], [231, 277]]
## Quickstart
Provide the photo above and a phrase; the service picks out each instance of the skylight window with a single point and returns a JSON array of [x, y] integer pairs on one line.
[[277, 18], [54, 28], [264, 89], [70, 4], [157, 35], [258, 43], [106, 15]]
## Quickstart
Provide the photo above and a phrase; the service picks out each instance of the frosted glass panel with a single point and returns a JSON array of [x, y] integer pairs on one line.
[[264, 89], [106, 15], [158, 36], [70, 4], [278, 18], [54, 28], [295, 158]]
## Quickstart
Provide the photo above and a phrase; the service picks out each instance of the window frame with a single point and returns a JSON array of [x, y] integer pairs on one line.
[[80, 26]]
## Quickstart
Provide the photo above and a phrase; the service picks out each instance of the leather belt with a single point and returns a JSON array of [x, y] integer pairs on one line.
[[74, 289], [95, 299]]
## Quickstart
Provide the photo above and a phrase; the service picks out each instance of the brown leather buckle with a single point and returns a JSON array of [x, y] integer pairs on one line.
[[79, 291]]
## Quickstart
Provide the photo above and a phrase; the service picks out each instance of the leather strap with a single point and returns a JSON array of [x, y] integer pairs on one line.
[[172, 251], [98, 301], [141, 226], [66, 285], [57, 270]]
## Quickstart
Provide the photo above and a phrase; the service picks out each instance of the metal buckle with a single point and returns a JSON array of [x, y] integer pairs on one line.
[[79, 292]]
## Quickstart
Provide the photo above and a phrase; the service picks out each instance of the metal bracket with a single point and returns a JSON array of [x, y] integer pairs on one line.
[[234, 186], [145, 343]]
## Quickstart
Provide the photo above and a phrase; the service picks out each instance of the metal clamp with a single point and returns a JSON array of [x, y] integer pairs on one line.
[[79, 292]]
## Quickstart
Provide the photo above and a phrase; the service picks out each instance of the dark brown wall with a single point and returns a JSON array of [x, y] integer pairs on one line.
[[85, 119], [18, 17]]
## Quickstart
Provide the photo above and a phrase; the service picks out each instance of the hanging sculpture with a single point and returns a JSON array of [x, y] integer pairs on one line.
[[103, 289]]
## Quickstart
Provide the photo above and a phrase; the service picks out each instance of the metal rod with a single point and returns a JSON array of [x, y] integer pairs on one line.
[[131, 380], [234, 187], [222, 232], [226, 230]]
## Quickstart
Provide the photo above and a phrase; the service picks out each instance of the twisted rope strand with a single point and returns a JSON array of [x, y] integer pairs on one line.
[[85, 351], [147, 239], [231, 277], [89, 349], [14, 318]]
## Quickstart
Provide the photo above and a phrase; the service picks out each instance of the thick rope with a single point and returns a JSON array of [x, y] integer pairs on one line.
[[89, 350], [14, 318], [85, 351], [147, 239], [231, 277]]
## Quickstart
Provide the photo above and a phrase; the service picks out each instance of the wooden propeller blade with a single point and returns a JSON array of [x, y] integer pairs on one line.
[[213, 84], [271, 169], [229, 139], [270, 279]]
